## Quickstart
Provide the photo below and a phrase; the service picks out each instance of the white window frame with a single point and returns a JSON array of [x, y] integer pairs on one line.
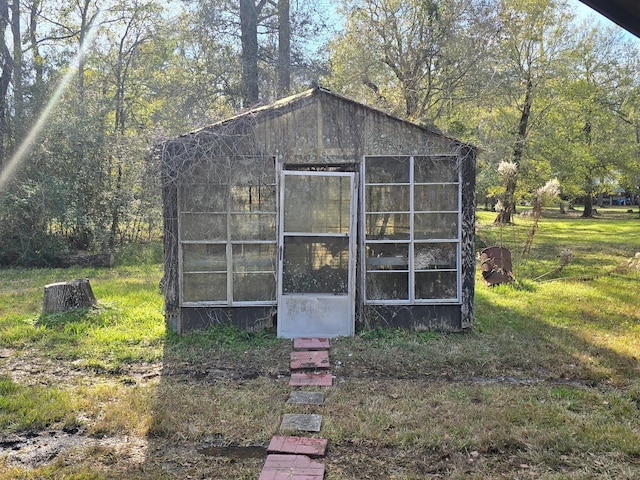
[[229, 245], [412, 241]]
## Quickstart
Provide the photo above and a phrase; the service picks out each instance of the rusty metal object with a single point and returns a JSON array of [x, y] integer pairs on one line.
[[495, 263]]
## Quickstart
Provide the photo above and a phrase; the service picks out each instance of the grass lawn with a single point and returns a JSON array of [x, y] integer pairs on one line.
[[546, 386]]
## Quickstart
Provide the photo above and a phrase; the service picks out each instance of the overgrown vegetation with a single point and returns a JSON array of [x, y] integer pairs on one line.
[[545, 386]]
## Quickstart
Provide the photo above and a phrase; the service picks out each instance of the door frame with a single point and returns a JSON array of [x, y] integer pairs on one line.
[[319, 304]]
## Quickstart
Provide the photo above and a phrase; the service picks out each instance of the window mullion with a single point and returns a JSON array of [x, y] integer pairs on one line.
[[411, 233]]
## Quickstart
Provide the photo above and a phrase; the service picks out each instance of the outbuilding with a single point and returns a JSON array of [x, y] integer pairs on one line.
[[320, 215]]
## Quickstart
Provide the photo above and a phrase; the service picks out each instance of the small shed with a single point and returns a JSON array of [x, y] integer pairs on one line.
[[319, 215]]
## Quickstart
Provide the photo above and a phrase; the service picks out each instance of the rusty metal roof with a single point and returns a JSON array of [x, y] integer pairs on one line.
[[625, 13]]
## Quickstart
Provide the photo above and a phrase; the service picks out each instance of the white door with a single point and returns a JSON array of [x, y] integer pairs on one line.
[[316, 284]]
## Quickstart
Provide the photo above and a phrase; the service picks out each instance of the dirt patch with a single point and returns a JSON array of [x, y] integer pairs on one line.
[[37, 449]]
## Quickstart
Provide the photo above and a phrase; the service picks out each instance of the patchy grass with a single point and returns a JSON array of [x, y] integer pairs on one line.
[[127, 326], [545, 386]]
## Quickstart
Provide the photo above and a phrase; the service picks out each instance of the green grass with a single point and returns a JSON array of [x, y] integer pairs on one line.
[[33, 407], [127, 325], [598, 245], [546, 385]]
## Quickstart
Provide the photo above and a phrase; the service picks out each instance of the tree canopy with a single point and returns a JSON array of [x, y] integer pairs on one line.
[[552, 94]]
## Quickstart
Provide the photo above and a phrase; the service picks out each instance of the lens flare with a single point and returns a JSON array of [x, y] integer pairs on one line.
[[27, 144]]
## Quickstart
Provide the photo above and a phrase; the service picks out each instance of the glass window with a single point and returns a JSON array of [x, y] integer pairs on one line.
[[254, 257], [387, 170], [204, 257], [203, 198], [253, 198], [435, 198], [387, 198], [315, 265], [254, 226], [436, 285], [329, 212], [435, 226], [435, 169], [388, 256], [388, 226], [227, 200], [387, 286], [435, 256], [411, 230], [204, 287], [203, 226], [254, 287]]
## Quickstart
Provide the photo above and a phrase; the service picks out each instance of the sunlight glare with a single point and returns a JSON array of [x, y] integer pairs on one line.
[[27, 144]]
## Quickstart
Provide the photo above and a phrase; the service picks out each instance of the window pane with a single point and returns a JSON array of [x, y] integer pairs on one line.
[[436, 285], [435, 169], [317, 204], [253, 198], [315, 265], [203, 226], [203, 198], [204, 258], [433, 256], [430, 226], [387, 256], [253, 226], [254, 287], [253, 258], [387, 170], [387, 286], [435, 197], [252, 170], [387, 226], [202, 287], [387, 198]]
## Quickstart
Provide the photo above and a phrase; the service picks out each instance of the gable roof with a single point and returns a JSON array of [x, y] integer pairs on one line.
[[292, 102]]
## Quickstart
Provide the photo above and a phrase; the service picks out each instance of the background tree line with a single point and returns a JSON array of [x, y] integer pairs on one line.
[[544, 94]]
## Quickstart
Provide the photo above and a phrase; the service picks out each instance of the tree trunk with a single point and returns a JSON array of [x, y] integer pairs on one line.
[[588, 206], [18, 94], [508, 201], [5, 76], [64, 296], [284, 48], [249, 12]]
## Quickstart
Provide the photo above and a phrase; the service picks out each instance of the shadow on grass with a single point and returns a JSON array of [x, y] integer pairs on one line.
[[222, 392]]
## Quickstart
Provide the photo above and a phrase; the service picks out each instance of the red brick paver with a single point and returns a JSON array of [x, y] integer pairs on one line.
[[310, 344], [310, 359], [313, 447], [311, 380], [291, 467]]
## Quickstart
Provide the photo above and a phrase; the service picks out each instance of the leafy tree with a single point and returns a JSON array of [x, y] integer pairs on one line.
[[411, 58], [533, 35], [601, 138]]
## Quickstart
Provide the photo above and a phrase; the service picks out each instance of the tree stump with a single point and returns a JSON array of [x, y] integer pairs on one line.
[[63, 296]]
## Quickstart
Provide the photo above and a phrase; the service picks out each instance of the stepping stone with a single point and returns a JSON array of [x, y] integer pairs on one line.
[[310, 359], [311, 380], [291, 467], [313, 447], [301, 421], [301, 344], [306, 398]]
